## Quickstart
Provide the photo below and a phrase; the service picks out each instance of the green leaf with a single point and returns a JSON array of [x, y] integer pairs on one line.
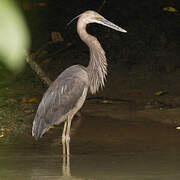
[[14, 35]]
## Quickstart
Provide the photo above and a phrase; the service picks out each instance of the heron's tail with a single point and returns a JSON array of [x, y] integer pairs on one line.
[[39, 128]]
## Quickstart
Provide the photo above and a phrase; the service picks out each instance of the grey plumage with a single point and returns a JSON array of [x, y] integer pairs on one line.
[[67, 93], [60, 98]]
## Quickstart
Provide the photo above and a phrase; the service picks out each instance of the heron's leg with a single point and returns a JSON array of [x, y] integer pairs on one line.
[[68, 134], [64, 137]]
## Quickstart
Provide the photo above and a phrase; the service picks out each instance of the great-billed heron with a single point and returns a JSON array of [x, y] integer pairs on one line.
[[67, 93]]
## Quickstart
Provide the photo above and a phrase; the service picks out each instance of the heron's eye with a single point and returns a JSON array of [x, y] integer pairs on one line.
[[97, 18]]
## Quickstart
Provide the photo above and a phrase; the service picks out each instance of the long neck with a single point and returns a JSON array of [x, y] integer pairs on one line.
[[97, 68]]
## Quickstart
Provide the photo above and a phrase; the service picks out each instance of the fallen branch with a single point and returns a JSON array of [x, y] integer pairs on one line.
[[36, 68], [56, 37]]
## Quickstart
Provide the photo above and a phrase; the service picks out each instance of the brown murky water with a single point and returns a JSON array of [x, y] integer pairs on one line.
[[102, 148]]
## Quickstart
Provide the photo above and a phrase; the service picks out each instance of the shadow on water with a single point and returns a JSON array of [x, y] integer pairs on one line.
[[112, 149]]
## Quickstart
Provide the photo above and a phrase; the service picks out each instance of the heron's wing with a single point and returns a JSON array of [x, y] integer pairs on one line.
[[60, 98]]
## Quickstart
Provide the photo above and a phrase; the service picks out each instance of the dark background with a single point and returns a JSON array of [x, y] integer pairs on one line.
[[153, 34], [146, 57], [141, 62]]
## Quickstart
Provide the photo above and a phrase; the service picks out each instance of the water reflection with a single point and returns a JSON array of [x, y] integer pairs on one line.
[[64, 165], [66, 168], [37, 163]]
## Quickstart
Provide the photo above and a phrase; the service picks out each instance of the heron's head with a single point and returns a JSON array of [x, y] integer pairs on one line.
[[94, 17]]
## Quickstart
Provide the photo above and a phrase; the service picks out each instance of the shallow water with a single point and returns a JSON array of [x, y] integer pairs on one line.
[[33, 163], [113, 149]]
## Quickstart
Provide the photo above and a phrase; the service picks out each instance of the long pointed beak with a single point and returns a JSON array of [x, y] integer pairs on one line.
[[109, 24]]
